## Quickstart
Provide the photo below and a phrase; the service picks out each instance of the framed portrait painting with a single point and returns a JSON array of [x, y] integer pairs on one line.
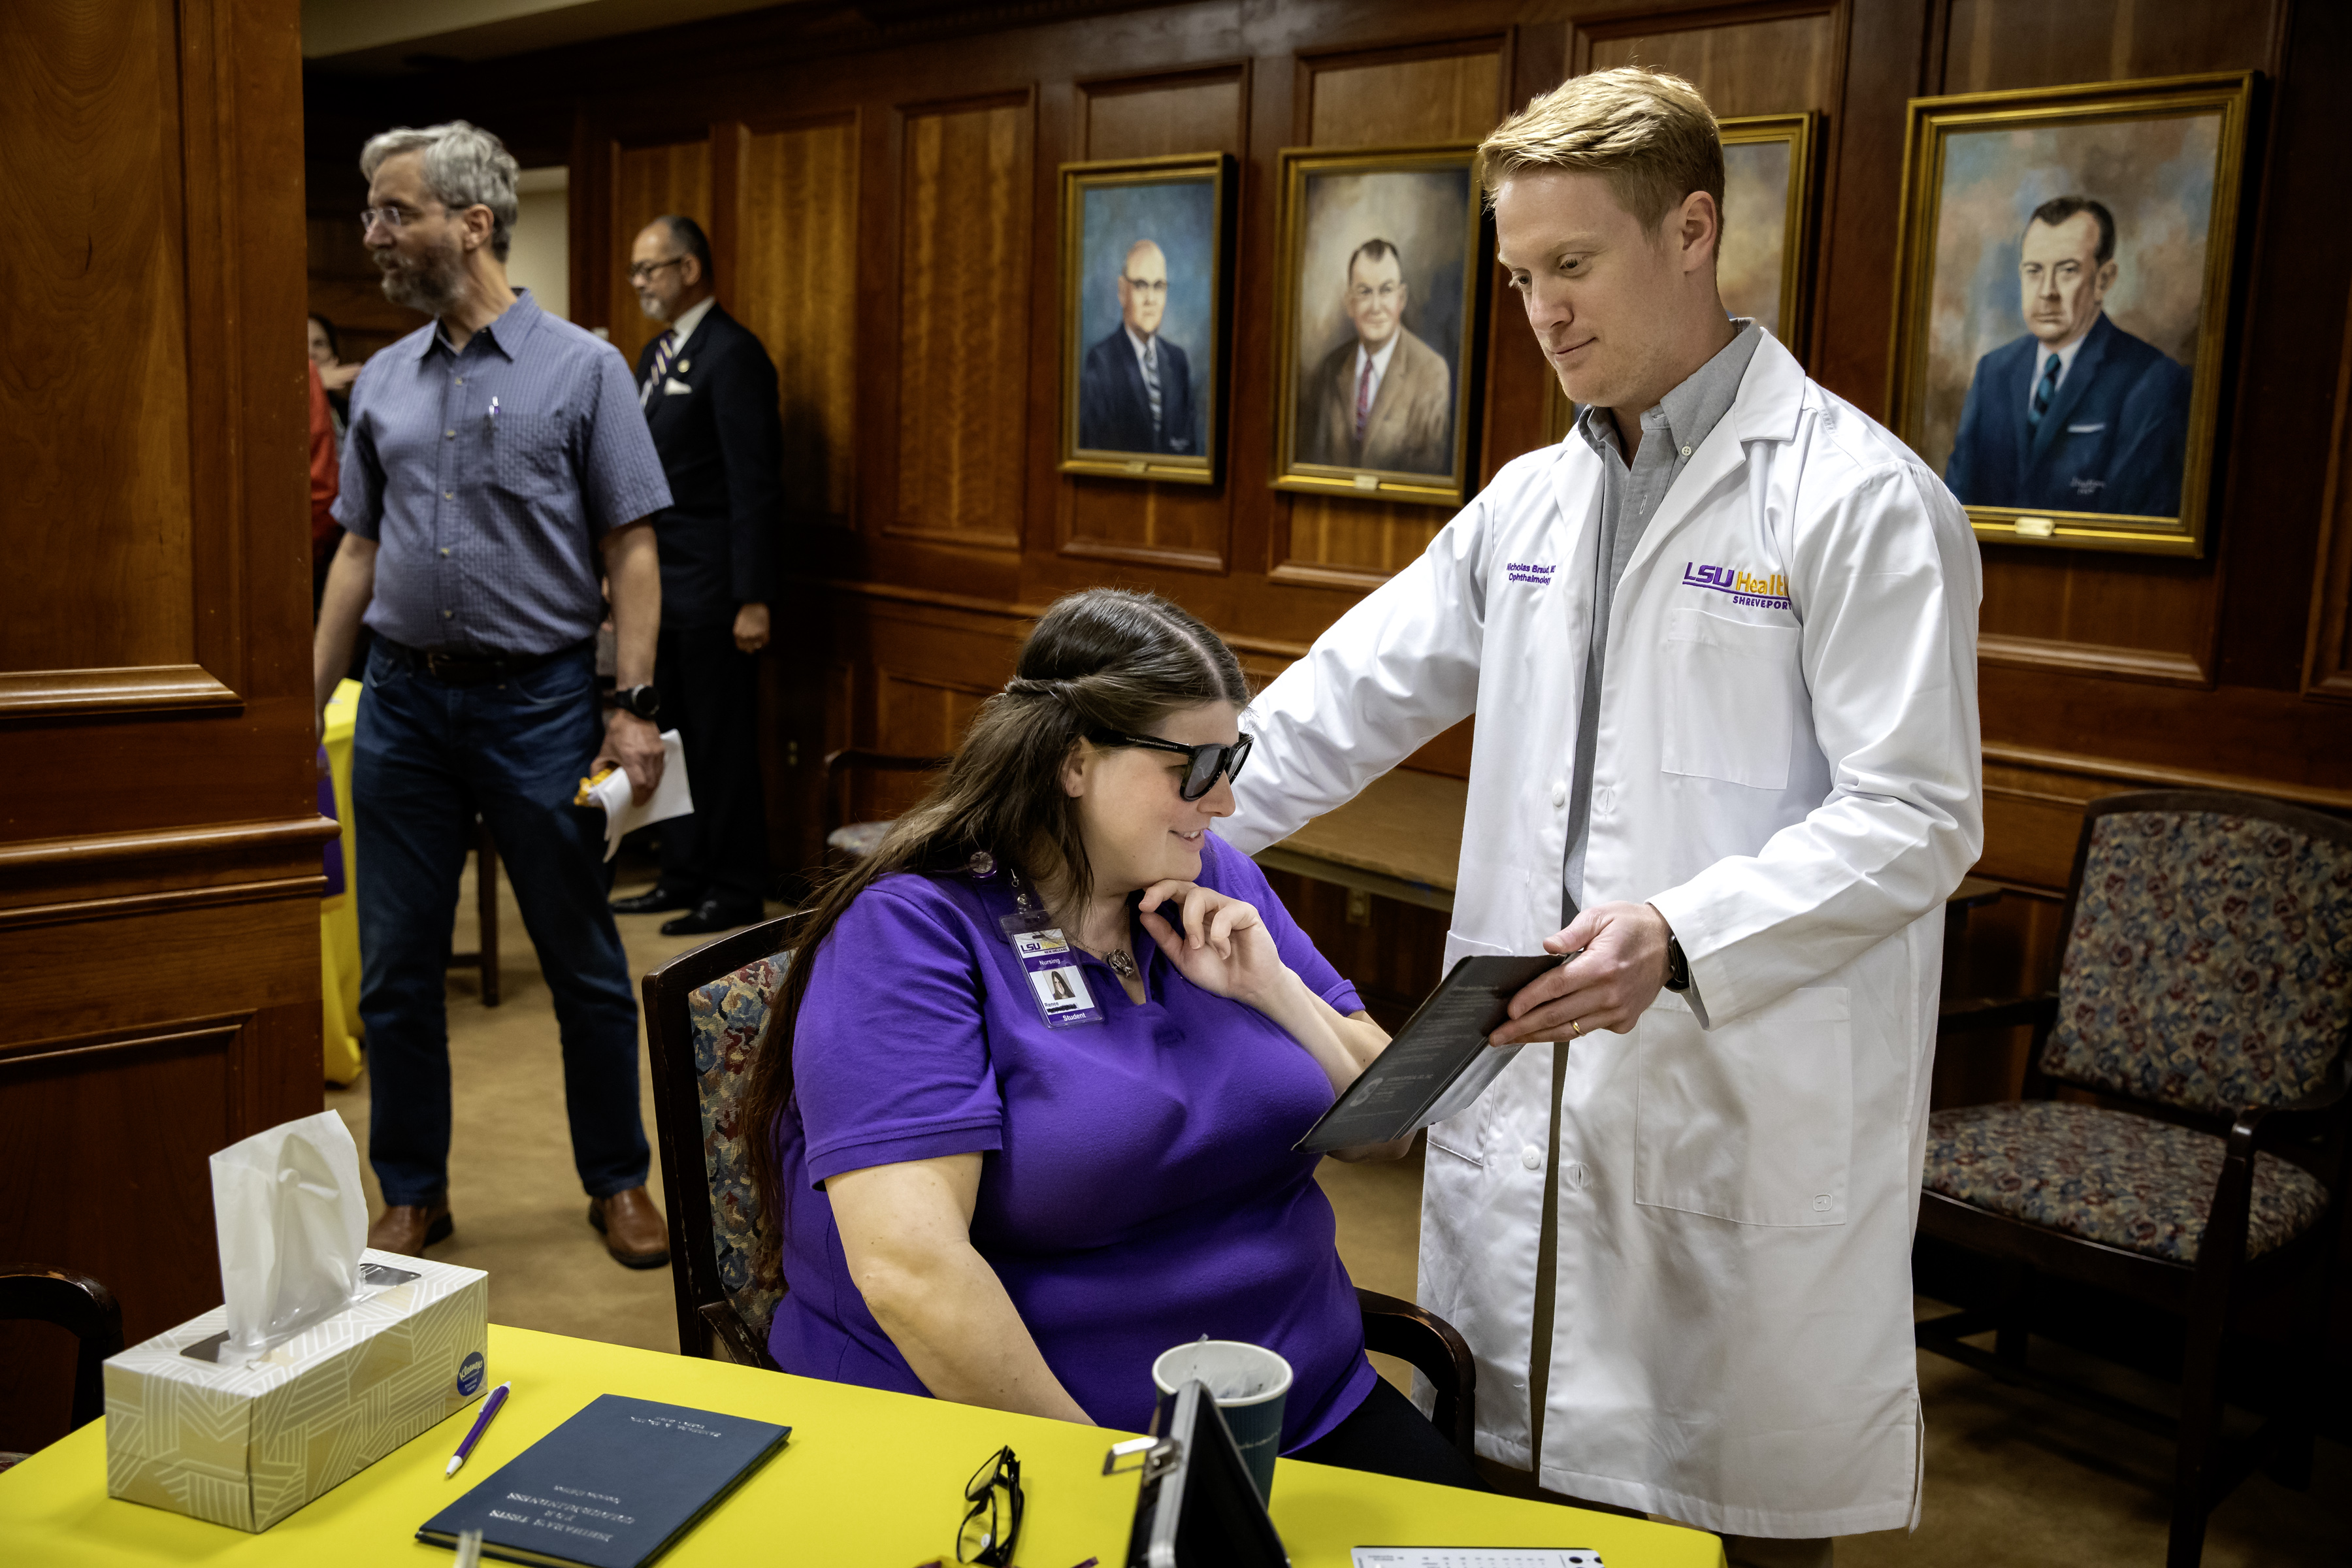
[[2062, 299], [1379, 283], [1144, 308], [1764, 266]]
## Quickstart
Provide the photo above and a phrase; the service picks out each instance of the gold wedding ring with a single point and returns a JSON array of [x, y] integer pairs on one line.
[[1577, 1027]]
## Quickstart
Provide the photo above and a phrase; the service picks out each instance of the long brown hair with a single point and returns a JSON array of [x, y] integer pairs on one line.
[[1098, 660]]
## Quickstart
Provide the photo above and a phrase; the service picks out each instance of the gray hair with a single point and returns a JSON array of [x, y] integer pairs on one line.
[[464, 166]]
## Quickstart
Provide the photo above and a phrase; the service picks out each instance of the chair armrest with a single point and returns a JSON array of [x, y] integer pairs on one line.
[[882, 762], [1977, 1015], [2267, 1126], [742, 1346], [1434, 1347]]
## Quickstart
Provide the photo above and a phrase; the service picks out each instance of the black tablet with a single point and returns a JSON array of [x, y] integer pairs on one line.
[[1439, 1062]]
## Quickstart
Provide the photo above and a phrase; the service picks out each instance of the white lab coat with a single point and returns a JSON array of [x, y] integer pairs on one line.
[[1792, 777]]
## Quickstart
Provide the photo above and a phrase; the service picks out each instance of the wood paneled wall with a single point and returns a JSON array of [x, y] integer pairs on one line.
[[2100, 672], [160, 866], [964, 196], [787, 236], [646, 183]]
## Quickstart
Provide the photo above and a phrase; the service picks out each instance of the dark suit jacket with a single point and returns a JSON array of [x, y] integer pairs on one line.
[[1115, 412], [721, 444], [2114, 439], [1410, 429]]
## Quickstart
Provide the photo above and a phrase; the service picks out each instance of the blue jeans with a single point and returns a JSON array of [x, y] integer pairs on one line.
[[425, 758]]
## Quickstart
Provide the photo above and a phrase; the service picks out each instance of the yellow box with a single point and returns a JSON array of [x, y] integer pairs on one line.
[[246, 1444]]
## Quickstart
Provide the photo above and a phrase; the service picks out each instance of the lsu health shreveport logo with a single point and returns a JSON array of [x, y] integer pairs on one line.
[[1768, 592]]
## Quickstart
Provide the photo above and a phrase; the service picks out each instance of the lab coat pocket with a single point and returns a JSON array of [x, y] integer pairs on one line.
[[1752, 1121], [1731, 706], [1464, 1134]]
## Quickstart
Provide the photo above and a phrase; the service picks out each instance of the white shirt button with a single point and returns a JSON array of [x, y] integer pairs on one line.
[[1577, 1176], [1560, 794], [1686, 451], [1531, 1157], [1821, 1204], [1605, 801]]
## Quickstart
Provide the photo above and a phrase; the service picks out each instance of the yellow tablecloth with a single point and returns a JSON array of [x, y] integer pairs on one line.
[[868, 1478], [339, 917]]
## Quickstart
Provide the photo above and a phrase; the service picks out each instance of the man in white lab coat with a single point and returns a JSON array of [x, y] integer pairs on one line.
[[1721, 642]]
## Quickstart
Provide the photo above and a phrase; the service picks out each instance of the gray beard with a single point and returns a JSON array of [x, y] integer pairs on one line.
[[433, 284]]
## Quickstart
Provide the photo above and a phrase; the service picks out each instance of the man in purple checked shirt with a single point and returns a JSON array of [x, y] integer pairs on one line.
[[497, 464]]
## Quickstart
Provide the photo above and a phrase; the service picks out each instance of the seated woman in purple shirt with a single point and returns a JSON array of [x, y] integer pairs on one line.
[[972, 1203]]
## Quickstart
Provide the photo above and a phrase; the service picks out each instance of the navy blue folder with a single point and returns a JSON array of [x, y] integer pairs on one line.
[[611, 1488]]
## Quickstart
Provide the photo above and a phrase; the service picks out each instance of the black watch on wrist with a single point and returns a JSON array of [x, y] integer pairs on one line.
[[1677, 966], [640, 701]]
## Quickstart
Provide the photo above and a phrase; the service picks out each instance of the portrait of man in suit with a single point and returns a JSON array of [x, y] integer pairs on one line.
[[2077, 414], [1381, 399], [1135, 387]]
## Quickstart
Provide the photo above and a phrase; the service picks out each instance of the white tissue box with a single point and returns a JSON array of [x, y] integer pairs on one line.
[[246, 1444]]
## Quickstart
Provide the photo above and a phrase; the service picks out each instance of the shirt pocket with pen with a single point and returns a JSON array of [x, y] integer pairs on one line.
[[530, 453]]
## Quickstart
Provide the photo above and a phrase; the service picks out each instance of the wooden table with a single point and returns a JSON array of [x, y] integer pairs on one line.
[[867, 1479], [1401, 839]]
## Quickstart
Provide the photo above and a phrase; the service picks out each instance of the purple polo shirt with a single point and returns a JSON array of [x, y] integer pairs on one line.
[[1139, 1189]]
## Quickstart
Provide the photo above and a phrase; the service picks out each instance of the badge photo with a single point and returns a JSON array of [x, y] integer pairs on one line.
[[1061, 990]]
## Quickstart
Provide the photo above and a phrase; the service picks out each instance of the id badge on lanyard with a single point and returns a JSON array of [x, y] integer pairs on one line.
[[1050, 965]]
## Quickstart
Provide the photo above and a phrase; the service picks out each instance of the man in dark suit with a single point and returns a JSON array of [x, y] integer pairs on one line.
[[2078, 415], [708, 390], [1135, 387]]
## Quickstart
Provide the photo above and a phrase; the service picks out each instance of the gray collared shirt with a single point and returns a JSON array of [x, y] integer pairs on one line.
[[1629, 497], [487, 474]]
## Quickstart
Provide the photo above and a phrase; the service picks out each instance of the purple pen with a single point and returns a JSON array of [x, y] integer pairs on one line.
[[481, 1425]]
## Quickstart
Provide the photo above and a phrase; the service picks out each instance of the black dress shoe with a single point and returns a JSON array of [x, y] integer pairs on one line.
[[657, 902], [711, 915]]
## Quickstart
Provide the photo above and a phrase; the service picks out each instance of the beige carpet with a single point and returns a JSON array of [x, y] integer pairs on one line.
[[2012, 1479]]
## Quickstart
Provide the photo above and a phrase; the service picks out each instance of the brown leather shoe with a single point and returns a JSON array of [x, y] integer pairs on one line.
[[410, 1228], [635, 1234]]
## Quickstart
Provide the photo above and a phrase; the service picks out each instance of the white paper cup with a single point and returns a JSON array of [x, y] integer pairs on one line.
[[1250, 1384]]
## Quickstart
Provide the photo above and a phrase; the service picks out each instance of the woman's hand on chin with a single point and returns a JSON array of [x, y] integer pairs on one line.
[[1224, 948]]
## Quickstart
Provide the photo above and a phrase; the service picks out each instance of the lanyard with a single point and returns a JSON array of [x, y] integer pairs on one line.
[[1048, 961]]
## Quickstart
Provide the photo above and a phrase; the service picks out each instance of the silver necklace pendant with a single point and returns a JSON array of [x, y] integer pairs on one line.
[[1122, 963]]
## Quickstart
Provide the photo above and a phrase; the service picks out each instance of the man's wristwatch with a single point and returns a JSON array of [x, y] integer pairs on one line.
[[1677, 966], [640, 701]]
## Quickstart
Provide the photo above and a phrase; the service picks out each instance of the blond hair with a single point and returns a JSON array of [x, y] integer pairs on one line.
[[1650, 133]]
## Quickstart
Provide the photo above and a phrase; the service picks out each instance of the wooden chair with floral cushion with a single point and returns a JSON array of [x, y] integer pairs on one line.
[[704, 1013], [2183, 1136], [847, 842]]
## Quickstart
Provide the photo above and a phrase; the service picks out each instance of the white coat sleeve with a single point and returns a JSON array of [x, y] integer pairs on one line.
[[1382, 681], [1886, 580]]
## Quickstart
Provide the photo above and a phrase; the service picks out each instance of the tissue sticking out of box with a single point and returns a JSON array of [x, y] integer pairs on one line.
[[609, 791], [292, 1221]]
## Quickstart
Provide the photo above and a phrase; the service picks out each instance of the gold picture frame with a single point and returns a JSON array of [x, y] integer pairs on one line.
[[1422, 201], [2171, 155], [1112, 425], [1771, 281]]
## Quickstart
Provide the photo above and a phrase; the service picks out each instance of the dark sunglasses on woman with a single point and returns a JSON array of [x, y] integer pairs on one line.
[[1207, 762]]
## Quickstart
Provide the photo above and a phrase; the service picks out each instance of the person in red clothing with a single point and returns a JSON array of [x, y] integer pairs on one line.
[[325, 484]]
